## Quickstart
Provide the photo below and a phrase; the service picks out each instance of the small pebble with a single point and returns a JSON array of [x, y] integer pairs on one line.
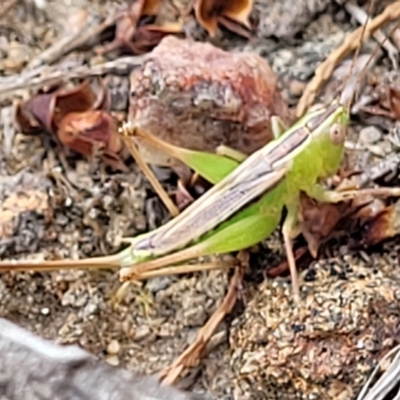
[[45, 311], [113, 347], [141, 332], [370, 135], [17, 56], [157, 284], [112, 360], [296, 88]]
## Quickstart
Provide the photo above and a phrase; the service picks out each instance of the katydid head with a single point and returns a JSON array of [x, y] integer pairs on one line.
[[328, 139], [336, 139], [337, 134]]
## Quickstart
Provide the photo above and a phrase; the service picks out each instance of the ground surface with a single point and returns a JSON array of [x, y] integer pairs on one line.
[[268, 348]]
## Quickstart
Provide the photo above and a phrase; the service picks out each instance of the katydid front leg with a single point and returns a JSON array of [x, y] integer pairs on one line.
[[289, 231], [322, 195]]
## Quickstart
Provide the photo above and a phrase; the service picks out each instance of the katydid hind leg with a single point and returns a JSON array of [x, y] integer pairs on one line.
[[241, 234], [317, 192]]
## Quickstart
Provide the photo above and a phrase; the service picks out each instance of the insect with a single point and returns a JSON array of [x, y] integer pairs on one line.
[[221, 221], [247, 202]]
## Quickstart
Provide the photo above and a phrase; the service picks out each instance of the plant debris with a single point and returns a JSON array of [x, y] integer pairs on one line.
[[350, 290], [233, 15], [79, 119], [132, 34]]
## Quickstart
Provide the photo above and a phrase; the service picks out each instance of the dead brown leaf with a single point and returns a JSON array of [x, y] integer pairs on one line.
[[46, 110], [92, 133], [148, 36], [387, 104], [233, 15], [366, 215], [318, 221], [322, 221], [385, 225], [150, 7], [78, 117], [394, 102], [135, 37]]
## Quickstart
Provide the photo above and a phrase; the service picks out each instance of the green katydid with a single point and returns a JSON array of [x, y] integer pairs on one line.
[[220, 221], [309, 150]]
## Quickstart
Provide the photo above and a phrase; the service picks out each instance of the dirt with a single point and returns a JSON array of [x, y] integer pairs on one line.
[[57, 204]]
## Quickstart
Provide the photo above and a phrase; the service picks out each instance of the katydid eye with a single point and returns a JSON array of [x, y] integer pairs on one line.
[[337, 134]]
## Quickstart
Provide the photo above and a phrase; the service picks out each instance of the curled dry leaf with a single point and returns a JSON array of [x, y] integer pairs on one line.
[[318, 221], [321, 221], [46, 110], [394, 101], [134, 36], [385, 225], [233, 15], [365, 215], [148, 36], [90, 133], [386, 96], [78, 118]]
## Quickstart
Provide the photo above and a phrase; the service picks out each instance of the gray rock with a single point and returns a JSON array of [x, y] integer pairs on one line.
[[32, 368]]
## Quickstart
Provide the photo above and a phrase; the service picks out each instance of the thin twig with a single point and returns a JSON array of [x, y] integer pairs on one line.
[[42, 76], [352, 41], [191, 356], [7, 7], [361, 16], [67, 43]]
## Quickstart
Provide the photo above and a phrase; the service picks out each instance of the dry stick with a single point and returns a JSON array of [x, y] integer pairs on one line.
[[68, 43], [361, 16], [352, 41], [387, 165], [171, 207], [7, 7], [43, 76], [193, 353], [91, 30]]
